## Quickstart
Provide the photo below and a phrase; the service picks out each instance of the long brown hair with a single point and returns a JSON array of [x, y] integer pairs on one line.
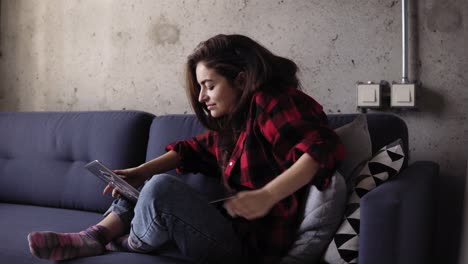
[[230, 55]]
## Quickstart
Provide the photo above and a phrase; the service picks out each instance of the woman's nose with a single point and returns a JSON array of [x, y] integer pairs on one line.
[[202, 96]]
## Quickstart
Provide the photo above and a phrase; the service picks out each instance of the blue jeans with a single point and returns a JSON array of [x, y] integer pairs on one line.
[[170, 211]]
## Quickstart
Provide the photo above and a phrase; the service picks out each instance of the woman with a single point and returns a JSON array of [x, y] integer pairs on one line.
[[266, 140]]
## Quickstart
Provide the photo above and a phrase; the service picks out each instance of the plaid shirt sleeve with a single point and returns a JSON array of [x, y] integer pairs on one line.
[[197, 154], [294, 125]]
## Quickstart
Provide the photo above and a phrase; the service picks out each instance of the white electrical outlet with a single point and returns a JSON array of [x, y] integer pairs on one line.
[[403, 95], [368, 95]]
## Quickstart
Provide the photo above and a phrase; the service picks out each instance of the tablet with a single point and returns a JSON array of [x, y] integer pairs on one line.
[[114, 180], [221, 200]]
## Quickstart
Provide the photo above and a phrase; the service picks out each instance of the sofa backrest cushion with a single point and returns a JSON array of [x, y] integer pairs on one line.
[[383, 129], [42, 155]]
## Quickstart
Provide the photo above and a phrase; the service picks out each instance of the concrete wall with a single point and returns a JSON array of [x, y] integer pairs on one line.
[[121, 54]]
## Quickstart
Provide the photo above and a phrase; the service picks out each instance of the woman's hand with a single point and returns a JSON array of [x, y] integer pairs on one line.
[[138, 175], [250, 204], [134, 176]]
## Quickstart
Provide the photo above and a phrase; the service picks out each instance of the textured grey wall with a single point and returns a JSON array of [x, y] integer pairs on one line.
[[120, 54]]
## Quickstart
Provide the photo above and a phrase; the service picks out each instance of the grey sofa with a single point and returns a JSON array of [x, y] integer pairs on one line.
[[44, 186]]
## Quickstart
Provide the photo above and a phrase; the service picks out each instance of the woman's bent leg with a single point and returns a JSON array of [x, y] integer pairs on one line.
[[170, 210]]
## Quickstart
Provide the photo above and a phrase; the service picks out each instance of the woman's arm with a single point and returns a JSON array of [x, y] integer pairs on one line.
[[292, 179], [257, 203], [163, 163], [138, 175], [295, 126]]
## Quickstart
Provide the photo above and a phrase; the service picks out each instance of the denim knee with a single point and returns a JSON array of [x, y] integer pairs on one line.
[[159, 187], [148, 228]]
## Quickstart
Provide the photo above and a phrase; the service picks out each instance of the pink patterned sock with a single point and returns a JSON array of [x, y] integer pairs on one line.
[[119, 244], [122, 244], [61, 246]]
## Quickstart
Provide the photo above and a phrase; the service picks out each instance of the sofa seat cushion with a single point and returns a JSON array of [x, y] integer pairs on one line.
[[17, 221]]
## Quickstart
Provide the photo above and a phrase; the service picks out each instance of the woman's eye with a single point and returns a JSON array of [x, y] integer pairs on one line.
[[210, 88]]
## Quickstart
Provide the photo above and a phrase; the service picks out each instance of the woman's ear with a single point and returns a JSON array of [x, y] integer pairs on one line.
[[240, 79]]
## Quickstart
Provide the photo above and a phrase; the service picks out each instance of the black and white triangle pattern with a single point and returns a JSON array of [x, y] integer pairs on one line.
[[385, 164]]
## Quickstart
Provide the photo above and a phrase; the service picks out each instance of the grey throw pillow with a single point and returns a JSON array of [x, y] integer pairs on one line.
[[356, 139], [323, 213]]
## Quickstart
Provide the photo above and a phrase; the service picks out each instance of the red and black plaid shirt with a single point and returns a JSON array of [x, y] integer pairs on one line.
[[279, 129]]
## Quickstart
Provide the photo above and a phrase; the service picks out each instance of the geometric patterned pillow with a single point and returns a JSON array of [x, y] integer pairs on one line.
[[385, 164]]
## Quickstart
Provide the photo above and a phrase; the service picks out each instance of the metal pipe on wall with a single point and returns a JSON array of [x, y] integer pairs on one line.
[[404, 41]]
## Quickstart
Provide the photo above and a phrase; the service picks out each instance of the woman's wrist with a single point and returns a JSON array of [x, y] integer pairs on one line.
[[271, 195], [143, 171]]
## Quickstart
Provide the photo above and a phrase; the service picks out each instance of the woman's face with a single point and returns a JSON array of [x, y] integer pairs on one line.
[[216, 92]]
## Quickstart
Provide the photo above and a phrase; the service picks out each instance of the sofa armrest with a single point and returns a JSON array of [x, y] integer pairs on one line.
[[398, 218]]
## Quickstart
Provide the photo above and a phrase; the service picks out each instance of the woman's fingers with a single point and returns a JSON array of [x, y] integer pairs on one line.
[[249, 205], [121, 173], [116, 194], [106, 189], [229, 210], [234, 208]]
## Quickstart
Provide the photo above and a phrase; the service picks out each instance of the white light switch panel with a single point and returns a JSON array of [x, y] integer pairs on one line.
[[403, 95], [368, 95]]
